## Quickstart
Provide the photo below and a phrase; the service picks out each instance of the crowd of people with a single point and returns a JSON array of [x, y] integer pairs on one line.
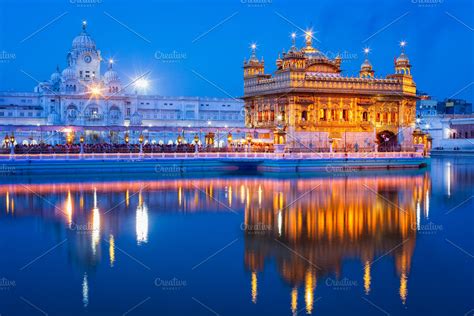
[[124, 148]]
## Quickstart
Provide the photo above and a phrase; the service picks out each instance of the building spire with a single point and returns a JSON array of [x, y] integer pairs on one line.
[[402, 45], [253, 46], [111, 63], [84, 25], [293, 41]]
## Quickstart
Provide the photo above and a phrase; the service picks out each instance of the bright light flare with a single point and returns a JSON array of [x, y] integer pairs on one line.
[[142, 83], [94, 90]]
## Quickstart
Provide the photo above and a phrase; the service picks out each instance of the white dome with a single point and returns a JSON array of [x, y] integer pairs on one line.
[[111, 76], [68, 74], [83, 40], [55, 76], [402, 58], [366, 65]]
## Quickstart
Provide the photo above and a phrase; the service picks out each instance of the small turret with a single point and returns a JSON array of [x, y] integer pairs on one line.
[[402, 64], [253, 66], [366, 70]]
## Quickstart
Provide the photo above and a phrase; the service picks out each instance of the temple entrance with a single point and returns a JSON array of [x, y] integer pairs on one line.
[[388, 141]]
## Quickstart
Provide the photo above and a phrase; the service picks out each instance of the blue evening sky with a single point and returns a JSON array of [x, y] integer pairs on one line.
[[210, 39]]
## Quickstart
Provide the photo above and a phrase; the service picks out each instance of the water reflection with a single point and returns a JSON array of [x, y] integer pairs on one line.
[[315, 230], [307, 226]]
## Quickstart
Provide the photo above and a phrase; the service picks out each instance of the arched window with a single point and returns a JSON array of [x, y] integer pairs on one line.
[[304, 116], [365, 116]]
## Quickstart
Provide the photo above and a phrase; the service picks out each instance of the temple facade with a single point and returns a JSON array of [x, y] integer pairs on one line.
[[310, 105]]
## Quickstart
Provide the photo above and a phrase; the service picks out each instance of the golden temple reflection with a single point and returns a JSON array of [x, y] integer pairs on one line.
[[112, 250], [310, 284], [367, 277], [85, 290], [127, 197], [294, 300], [230, 196], [95, 224], [141, 225], [242, 193], [254, 287], [342, 219], [68, 208], [180, 196]]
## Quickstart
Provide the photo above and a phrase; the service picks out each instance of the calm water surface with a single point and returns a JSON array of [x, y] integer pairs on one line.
[[398, 243]]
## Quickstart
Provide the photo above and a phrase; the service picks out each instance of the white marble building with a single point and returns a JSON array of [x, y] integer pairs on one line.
[[100, 106]]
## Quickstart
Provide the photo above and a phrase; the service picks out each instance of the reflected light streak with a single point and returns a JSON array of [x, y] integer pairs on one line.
[[403, 287], [85, 291], [230, 196], [309, 291], [254, 287], [95, 224], [7, 202], [427, 205], [447, 177], [294, 300], [280, 223], [69, 209], [259, 195], [418, 215], [141, 226], [112, 250], [367, 278]]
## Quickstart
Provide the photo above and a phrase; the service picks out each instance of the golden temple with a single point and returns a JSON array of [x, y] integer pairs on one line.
[[309, 104]]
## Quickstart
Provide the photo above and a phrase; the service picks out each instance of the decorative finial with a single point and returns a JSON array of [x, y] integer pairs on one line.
[[293, 39], [84, 25], [309, 37], [111, 62], [253, 46], [366, 52]]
